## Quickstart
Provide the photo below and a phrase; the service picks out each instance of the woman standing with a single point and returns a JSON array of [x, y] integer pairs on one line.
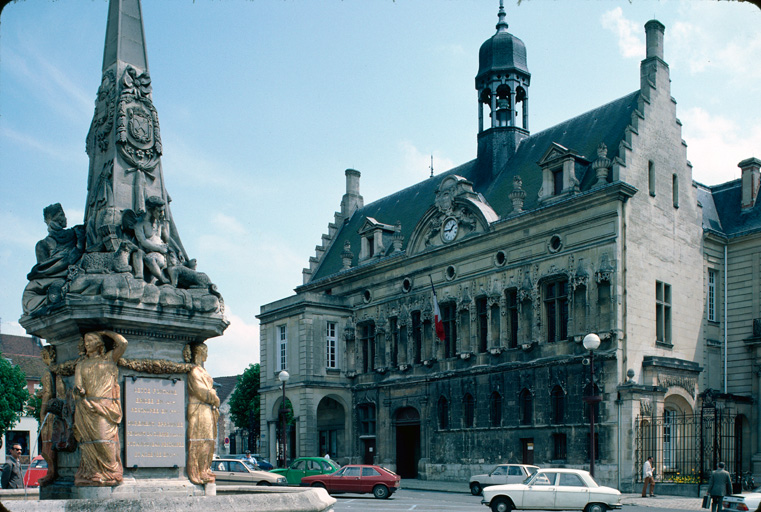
[[203, 413], [98, 411]]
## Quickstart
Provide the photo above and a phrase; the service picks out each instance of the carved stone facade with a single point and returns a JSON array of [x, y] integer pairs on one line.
[[542, 239]]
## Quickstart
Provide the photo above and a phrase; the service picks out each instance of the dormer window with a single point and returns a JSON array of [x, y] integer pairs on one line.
[[376, 239], [559, 165]]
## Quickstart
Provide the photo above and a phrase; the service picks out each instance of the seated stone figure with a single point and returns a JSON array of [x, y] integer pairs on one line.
[[55, 253]]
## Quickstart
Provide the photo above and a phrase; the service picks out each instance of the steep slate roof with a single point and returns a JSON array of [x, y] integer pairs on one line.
[[727, 199], [226, 386], [24, 351], [581, 135]]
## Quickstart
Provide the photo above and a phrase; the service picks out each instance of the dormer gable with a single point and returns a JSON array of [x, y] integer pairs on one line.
[[559, 165], [375, 238], [458, 212]]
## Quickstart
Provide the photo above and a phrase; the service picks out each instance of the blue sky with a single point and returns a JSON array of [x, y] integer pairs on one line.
[[264, 103]]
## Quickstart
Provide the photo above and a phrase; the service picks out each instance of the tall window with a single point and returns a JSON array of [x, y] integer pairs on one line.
[[651, 177], [511, 297], [417, 337], [556, 309], [443, 413], [675, 190], [560, 447], [394, 341], [526, 407], [468, 410], [483, 323], [367, 342], [495, 409], [711, 295], [282, 342], [663, 312], [449, 319], [366, 413], [558, 405], [330, 346], [557, 181]]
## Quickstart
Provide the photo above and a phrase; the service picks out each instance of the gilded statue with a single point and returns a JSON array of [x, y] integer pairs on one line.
[[203, 413], [98, 410]]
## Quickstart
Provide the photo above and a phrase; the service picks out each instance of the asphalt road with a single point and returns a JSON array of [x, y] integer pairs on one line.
[[431, 501]]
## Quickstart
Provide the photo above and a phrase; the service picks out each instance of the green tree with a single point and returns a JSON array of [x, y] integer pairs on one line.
[[13, 394], [244, 401]]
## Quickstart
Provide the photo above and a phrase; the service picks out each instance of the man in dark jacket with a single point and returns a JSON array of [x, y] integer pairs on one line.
[[12, 469], [719, 485]]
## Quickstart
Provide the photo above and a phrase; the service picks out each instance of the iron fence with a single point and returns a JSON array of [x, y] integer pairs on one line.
[[687, 447]]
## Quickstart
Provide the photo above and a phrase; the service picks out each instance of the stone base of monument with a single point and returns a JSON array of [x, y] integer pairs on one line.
[[285, 499], [130, 488]]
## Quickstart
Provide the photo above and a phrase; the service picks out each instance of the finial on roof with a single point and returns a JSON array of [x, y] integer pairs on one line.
[[501, 24]]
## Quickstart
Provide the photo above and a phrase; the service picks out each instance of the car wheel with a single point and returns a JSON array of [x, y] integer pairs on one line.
[[381, 492], [596, 507], [318, 484], [500, 505], [263, 482], [475, 488]]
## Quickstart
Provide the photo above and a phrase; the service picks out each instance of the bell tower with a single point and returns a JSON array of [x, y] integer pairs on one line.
[[502, 83]]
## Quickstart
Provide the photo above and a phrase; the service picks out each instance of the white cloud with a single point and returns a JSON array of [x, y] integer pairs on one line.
[[630, 41], [715, 145], [237, 348]]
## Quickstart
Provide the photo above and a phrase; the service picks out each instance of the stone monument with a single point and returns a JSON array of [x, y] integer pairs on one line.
[[128, 408]]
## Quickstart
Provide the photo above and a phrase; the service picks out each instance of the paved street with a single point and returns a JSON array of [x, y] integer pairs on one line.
[[432, 501]]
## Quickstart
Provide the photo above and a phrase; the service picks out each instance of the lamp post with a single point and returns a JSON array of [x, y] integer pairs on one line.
[[283, 376], [591, 343]]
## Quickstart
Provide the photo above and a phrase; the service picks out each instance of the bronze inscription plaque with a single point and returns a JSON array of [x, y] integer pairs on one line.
[[154, 422]]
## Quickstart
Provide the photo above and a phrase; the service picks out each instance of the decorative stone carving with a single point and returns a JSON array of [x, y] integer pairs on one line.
[[518, 195], [203, 413], [606, 270], [347, 256], [55, 253], [601, 165], [689, 384], [98, 411], [645, 406], [398, 238], [103, 118]]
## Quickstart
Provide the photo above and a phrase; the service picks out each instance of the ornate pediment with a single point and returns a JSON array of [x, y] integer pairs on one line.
[[456, 213]]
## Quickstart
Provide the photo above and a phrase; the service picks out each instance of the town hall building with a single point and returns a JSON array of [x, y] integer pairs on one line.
[[594, 225]]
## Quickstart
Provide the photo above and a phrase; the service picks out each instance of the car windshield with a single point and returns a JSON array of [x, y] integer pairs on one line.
[[592, 482], [40, 463], [249, 465]]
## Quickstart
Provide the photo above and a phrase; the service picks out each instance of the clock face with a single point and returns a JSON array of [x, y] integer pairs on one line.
[[450, 230]]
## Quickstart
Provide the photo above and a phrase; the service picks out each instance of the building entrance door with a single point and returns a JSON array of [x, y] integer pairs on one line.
[[527, 449], [369, 451], [407, 442]]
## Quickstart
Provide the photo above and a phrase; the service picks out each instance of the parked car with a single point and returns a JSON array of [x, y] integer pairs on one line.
[[36, 470], [306, 466], [234, 471], [744, 502], [357, 478], [553, 489], [502, 474]]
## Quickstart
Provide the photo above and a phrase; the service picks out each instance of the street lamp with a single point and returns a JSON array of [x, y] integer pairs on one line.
[[284, 376], [591, 343]]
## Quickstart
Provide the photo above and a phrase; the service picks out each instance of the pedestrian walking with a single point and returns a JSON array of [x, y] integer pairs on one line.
[[647, 476], [719, 485], [11, 478]]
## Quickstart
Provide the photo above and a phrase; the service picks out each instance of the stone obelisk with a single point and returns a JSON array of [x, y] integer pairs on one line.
[[129, 409]]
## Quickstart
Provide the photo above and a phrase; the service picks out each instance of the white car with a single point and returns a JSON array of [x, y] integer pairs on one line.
[[240, 472], [553, 489], [743, 502], [502, 474]]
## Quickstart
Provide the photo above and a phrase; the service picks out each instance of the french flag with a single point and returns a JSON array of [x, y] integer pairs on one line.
[[438, 324]]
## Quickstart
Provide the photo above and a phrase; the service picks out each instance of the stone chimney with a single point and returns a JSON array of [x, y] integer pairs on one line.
[[751, 173], [351, 200], [654, 31], [654, 72]]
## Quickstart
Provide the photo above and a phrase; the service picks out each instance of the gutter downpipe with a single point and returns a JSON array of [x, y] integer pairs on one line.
[[725, 317]]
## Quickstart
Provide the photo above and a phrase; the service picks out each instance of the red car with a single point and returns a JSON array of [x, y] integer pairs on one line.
[[37, 469], [357, 478]]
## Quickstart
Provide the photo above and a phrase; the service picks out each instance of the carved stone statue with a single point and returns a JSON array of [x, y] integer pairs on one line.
[[152, 235], [203, 413], [98, 411], [46, 421], [55, 253]]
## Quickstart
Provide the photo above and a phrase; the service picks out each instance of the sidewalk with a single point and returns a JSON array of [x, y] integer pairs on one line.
[[670, 502]]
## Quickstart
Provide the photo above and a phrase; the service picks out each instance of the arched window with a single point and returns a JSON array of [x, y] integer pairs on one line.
[[443, 413], [495, 409], [468, 410], [526, 406], [558, 405]]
